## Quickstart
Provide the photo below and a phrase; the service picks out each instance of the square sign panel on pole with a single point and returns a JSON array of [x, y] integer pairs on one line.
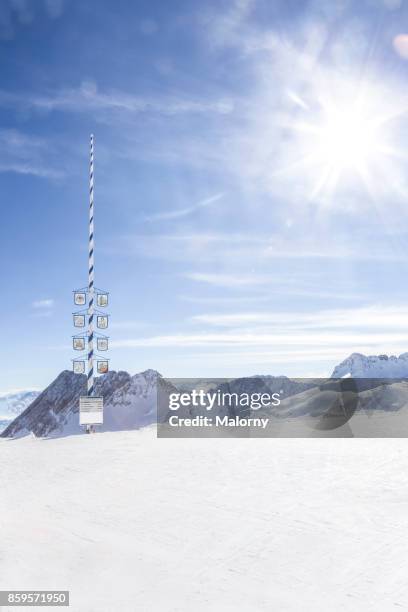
[[80, 298], [78, 366], [78, 344], [79, 320], [102, 321], [102, 344], [102, 299], [90, 410], [103, 367]]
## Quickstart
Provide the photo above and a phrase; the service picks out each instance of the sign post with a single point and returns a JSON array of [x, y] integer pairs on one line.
[[90, 411]]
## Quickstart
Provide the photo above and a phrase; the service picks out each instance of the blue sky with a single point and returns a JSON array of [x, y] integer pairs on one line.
[[233, 241]]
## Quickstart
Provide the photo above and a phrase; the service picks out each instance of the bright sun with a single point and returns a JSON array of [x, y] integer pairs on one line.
[[341, 139], [347, 140]]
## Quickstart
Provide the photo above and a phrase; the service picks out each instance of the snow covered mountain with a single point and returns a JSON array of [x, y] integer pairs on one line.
[[263, 384], [13, 403], [372, 366], [130, 402]]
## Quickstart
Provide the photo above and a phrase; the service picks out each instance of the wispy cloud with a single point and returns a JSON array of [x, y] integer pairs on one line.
[[43, 304], [42, 308], [30, 169], [259, 298], [226, 28], [328, 339], [88, 98], [378, 317], [267, 287], [284, 337], [184, 212], [240, 248], [227, 280], [26, 154], [128, 324], [224, 299]]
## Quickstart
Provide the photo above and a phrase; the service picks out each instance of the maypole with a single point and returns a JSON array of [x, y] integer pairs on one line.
[[91, 406], [91, 289]]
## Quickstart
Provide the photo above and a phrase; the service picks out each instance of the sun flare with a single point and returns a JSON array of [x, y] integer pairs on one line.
[[346, 139], [339, 141]]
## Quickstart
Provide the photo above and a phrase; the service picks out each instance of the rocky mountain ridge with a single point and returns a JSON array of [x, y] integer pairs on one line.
[[131, 402], [358, 365]]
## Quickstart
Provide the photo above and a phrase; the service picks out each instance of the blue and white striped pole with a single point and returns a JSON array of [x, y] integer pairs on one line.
[[91, 289]]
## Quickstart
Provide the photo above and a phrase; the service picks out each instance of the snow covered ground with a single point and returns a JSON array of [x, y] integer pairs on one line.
[[132, 523]]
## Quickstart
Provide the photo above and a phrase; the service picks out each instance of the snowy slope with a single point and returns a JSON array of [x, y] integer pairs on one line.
[[130, 522], [373, 366]]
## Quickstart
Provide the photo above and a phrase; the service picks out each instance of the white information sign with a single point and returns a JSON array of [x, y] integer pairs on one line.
[[90, 410]]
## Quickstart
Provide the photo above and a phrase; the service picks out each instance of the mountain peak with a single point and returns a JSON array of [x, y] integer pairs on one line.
[[150, 374], [358, 365], [129, 403]]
